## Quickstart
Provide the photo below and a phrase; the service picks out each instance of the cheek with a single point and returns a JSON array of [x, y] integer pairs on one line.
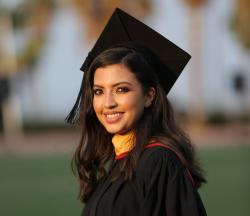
[[136, 106], [96, 105]]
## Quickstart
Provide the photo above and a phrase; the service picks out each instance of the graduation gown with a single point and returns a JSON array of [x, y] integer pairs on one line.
[[162, 187]]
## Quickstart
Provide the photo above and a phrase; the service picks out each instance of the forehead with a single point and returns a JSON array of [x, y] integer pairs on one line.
[[114, 74]]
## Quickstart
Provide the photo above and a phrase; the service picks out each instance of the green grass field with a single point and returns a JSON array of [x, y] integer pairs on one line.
[[227, 192], [44, 185]]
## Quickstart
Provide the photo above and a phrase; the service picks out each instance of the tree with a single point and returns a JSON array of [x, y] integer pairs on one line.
[[94, 13], [196, 106], [241, 22]]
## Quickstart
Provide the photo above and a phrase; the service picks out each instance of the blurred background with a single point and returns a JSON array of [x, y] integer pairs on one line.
[[42, 46]]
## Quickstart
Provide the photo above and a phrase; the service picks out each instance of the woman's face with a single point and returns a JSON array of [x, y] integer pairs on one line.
[[119, 100]]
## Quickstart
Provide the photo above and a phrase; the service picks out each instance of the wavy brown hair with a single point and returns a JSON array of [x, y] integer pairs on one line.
[[95, 150]]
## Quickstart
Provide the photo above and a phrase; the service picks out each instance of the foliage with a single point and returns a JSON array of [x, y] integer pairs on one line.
[[30, 18], [95, 14], [28, 11], [219, 117], [240, 22], [195, 3]]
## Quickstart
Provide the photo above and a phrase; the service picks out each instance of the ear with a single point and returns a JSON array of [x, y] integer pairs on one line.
[[149, 97]]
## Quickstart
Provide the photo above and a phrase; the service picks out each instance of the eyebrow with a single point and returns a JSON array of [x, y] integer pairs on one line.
[[114, 85]]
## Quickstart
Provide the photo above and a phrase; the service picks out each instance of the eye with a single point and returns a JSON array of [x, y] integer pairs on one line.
[[122, 90], [98, 91]]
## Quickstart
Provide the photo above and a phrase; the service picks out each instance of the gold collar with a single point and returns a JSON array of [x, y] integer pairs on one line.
[[123, 143]]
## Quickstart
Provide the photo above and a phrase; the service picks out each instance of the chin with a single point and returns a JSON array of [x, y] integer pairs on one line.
[[115, 130]]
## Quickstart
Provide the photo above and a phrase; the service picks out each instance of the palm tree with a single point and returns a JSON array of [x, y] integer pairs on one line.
[[94, 13], [240, 25], [30, 15], [196, 104]]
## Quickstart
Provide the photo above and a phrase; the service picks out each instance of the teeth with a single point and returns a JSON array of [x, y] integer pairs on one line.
[[113, 115]]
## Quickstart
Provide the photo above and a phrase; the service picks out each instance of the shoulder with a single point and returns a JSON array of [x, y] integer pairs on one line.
[[159, 160], [159, 153]]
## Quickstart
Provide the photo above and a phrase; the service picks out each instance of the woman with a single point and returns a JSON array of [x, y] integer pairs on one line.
[[132, 158]]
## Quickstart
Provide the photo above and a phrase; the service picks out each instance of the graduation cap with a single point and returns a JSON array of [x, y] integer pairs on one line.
[[123, 29]]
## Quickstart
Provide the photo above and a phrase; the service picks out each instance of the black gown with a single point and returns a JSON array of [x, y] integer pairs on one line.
[[162, 186]]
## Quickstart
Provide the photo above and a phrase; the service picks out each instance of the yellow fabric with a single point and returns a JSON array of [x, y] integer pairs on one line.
[[123, 143]]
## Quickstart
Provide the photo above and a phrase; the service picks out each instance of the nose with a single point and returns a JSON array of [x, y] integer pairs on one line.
[[110, 101]]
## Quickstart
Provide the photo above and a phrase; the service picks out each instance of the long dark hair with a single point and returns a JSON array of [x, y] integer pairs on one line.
[[95, 150]]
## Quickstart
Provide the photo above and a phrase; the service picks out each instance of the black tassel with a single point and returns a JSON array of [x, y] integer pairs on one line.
[[73, 116]]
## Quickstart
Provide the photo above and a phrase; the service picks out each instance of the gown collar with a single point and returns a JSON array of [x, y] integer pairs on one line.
[[123, 143]]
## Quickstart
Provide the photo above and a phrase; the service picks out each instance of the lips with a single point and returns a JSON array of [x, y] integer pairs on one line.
[[113, 117]]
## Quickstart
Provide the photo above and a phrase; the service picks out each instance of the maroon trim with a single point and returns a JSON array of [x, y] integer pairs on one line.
[[171, 149], [151, 145], [122, 155]]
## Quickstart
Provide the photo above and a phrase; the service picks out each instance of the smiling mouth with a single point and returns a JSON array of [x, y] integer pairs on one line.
[[113, 117]]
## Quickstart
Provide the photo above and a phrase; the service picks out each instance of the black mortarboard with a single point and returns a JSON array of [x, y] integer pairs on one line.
[[123, 28]]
